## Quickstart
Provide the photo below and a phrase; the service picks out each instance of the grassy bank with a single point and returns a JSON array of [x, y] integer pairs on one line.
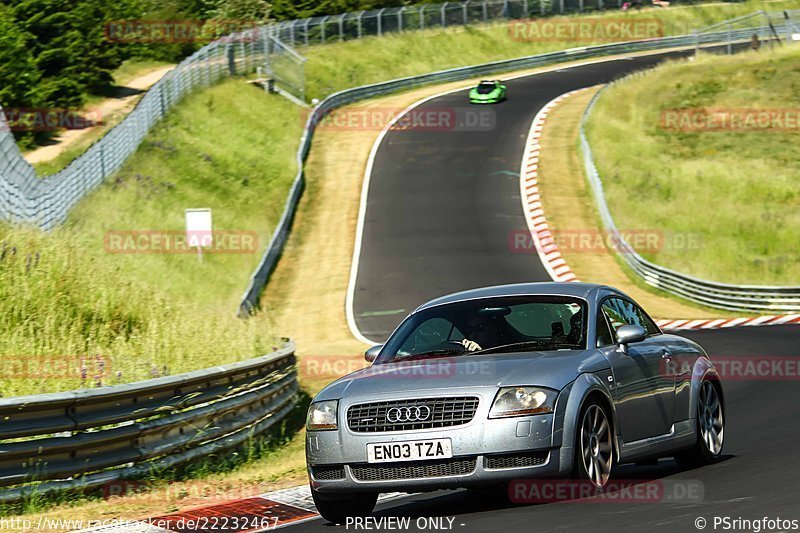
[[75, 312], [230, 148], [731, 195], [337, 66]]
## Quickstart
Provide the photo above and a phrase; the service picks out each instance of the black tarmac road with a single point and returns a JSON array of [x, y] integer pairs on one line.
[[441, 207], [443, 204], [757, 478]]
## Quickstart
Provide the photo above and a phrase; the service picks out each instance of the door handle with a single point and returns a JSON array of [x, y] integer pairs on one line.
[[666, 354]]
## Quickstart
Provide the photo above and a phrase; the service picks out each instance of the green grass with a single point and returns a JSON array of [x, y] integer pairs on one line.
[[230, 148], [134, 68], [736, 193], [337, 66]]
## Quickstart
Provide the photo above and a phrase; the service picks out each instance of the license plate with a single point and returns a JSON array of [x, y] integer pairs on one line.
[[411, 450]]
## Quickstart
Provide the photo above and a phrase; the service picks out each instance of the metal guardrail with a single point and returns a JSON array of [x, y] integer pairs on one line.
[[45, 201], [749, 298], [259, 279], [84, 439]]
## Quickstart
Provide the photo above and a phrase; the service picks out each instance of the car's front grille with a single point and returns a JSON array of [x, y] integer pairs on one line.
[[328, 472], [425, 469], [516, 460], [395, 415]]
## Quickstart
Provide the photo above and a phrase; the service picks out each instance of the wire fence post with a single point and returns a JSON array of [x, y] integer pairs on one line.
[[444, 15], [464, 9], [360, 15], [485, 11], [422, 17], [730, 39]]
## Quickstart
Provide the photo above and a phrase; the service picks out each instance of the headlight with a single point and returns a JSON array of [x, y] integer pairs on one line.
[[520, 401], [322, 415]]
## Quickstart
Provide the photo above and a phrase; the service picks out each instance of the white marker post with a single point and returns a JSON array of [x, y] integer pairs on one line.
[[198, 229]]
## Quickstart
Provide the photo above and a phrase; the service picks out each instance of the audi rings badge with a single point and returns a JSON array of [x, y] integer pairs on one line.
[[414, 413]]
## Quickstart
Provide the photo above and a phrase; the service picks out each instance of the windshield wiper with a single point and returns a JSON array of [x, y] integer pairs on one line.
[[430, 355], [521, 346]]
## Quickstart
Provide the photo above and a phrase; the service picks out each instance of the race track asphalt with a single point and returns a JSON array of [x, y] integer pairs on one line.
[[443, 203], [441, 206], [757, 477]]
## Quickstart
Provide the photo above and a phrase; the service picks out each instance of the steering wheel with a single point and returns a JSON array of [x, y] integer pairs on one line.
[[452, 345]]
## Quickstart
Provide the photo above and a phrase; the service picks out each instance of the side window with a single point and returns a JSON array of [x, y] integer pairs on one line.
[[604, 337], [429, 335], [616, 316], [647, 323], [621, 312]]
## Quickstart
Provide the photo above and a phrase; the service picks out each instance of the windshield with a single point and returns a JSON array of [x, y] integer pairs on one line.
[[490, 325], [485, 87]]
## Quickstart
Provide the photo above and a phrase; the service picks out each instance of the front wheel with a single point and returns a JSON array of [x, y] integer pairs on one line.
[[339, 509], [595, 449], [710, 429]]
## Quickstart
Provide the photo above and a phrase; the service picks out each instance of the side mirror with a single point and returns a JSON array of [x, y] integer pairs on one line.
[[372, 353], [629, 334]]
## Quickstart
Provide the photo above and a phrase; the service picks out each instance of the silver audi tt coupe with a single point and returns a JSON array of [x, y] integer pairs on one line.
[[491, 385]]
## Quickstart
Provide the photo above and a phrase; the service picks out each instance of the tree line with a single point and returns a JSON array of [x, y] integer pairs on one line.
[[57, 53]]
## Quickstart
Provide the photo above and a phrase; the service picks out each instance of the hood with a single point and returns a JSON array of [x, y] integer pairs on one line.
[[554, 369]]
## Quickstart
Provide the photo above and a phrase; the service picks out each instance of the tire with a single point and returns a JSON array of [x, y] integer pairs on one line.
[[710, 422], [594, 445], [339, 509]]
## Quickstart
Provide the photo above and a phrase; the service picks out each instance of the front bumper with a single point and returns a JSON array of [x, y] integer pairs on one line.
[[485, 452], [484, 101]]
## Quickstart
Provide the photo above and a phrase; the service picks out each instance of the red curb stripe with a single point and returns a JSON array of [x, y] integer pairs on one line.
[[251, 514]]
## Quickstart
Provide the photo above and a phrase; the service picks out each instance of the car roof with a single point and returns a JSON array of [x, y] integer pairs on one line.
[[550, 288]]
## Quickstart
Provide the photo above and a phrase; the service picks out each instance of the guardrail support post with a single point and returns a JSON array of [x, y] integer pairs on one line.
[[730, 38]]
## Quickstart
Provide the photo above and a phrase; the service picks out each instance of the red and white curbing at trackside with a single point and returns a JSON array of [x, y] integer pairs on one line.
[[294, 505], [554, 262], [265, 512]]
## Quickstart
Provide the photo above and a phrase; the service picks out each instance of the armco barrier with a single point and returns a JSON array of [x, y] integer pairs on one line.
[[84, 439], [750, 298], [259, 279]]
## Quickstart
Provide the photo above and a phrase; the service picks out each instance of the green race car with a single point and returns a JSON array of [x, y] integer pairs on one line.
[[488, 92]]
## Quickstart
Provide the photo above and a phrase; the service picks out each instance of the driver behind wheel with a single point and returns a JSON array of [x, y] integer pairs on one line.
[[486, 331]]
